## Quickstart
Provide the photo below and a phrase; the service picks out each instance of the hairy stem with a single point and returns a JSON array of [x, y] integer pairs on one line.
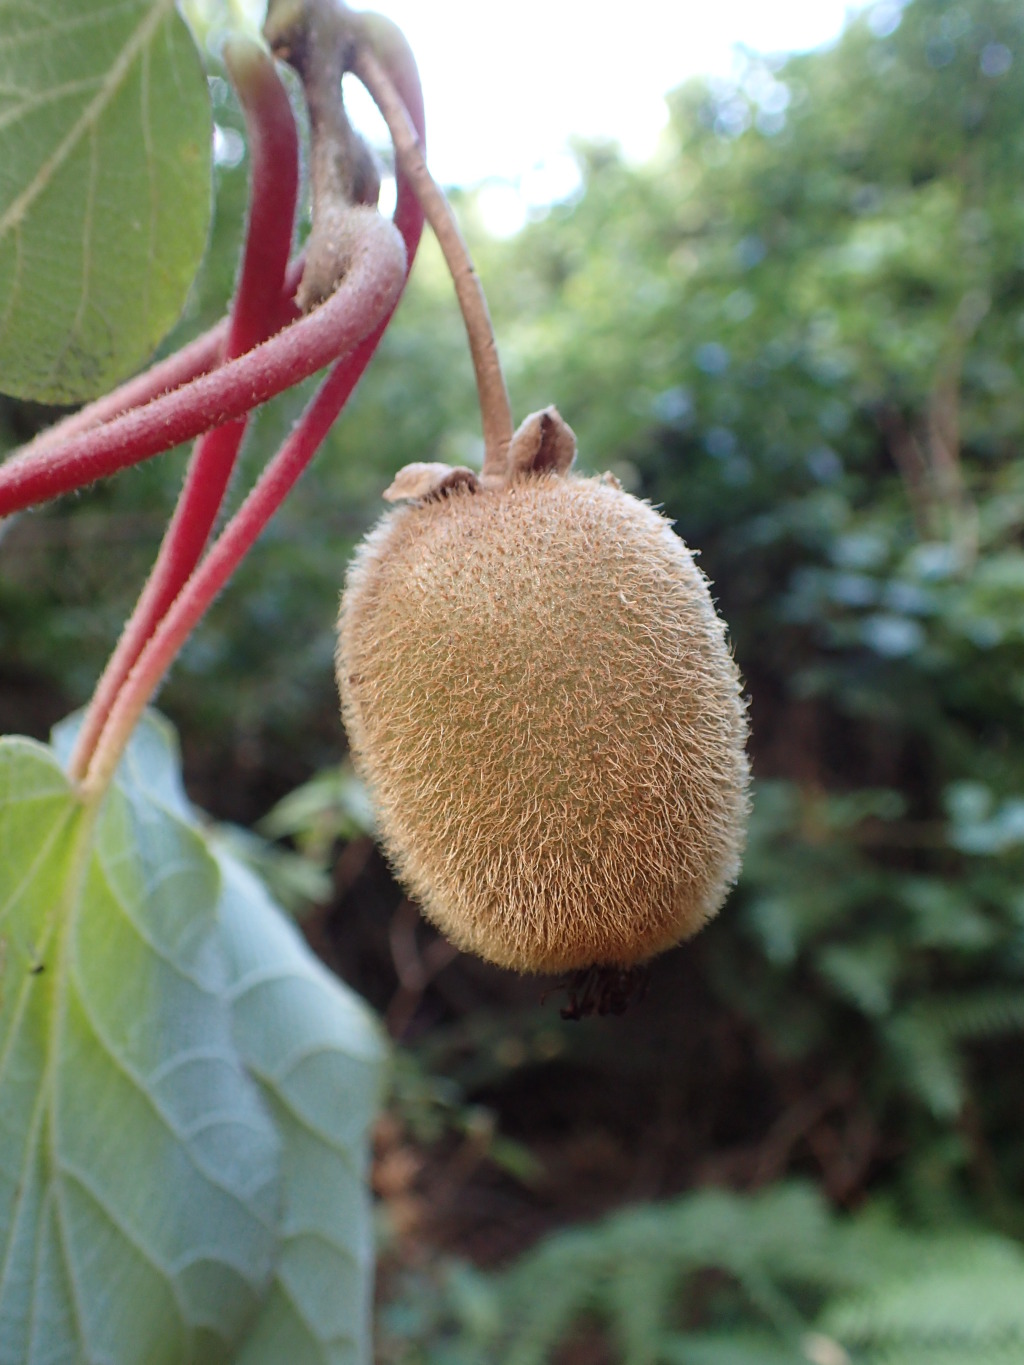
[[197, 358], [273, 142], [369, 289], [274, 180], [495, 412], [266, 496]]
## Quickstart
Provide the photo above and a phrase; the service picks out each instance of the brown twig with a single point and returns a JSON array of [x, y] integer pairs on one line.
[[495, 411]]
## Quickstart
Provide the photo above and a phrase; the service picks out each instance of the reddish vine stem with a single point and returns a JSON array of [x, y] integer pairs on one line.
[[198, 357], [274, 181], [273, 142], [228, 392], [267, 494]]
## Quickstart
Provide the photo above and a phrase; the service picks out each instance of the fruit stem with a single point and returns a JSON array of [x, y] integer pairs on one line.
[[266, 496], [274, 180], [379, 36]]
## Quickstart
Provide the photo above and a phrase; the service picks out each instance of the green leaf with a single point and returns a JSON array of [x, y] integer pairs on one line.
[[184, 1091], [862, 973], [316, 1053], [104, 189], [332, 805], [139, 1170]]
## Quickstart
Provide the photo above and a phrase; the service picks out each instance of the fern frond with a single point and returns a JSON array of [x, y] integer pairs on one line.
[[947, 1355], [640, 1302], [548, 1292], [793, 1285], [631, 1270], [730, 1348], [928, 1056], [980, 1014], [963, 1305]]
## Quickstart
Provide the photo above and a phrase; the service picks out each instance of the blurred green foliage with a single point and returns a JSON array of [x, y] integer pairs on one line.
[[799, 329], [715, 1278]]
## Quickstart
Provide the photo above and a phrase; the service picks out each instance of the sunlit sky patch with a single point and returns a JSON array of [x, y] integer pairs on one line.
[[508, 86]]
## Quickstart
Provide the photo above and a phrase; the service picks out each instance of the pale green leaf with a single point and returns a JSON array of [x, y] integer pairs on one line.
[[104, 188], [316, 1053], [139, 1168], [963, 1305], [306, 1040]]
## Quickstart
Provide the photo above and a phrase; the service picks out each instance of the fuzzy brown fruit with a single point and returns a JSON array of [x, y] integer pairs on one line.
[[540, 697]]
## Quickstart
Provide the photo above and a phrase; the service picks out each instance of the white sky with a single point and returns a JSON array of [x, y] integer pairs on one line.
[[507, 86]]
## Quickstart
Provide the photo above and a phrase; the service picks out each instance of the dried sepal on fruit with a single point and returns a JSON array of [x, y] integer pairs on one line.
[[427, 480], [540, 697]]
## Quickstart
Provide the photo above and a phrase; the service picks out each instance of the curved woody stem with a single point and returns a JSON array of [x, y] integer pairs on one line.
[[381, 36]]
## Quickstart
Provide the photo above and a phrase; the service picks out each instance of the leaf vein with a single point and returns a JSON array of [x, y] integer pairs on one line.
[[73, 1175], [145, 114], [111, 83], [39, 100], [151, 943], [324, 1340], [34, 866], [179, 1134], [302, 1121], [318, 1235], [183, 1059], [33, 36], [86, 242], [35, 1125]]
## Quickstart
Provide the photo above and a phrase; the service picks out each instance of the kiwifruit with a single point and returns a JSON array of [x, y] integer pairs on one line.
[[541, 700]]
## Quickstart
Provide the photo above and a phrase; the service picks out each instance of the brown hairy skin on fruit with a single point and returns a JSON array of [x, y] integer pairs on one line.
[[541, 699]]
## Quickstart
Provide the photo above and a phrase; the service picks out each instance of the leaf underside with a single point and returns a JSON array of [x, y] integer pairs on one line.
[[105, 143], [316, 1056], [184, 1091]]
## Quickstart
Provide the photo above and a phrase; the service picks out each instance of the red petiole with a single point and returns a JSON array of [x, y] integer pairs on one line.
[[210, 387], [224, 394], [274, 159]]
